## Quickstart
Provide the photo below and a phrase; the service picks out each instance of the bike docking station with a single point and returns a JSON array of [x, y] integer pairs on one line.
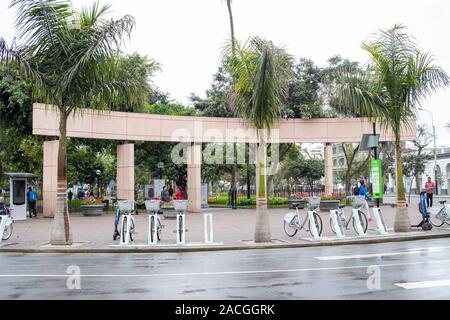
[[155, 227], [153, 207], [313, 226], [381, 225], [337, 223], [126, 222], [4, 222]]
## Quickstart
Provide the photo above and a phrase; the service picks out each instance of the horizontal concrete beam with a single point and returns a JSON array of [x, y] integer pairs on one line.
[[93, 124]]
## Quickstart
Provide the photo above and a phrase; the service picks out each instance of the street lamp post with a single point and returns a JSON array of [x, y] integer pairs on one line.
[[435, 150], [98, 172], [160, 167]]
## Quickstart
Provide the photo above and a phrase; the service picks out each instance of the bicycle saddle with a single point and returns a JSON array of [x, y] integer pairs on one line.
[[296, 205], [443, 202], [342, 206]]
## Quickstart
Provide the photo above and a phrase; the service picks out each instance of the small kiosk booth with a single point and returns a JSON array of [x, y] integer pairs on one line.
[[18, 194]]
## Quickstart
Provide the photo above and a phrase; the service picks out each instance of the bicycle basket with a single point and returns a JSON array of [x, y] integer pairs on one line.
[[313, 203], [152, 205], [125, 205], [358, 202], [180, 205]]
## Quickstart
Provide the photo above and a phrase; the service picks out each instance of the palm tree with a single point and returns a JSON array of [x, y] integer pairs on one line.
[[70, 57], [232, 107], [397, 79], [262, 72]]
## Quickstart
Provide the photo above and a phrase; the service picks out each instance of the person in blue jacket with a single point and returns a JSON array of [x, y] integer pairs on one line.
[[363, 191]]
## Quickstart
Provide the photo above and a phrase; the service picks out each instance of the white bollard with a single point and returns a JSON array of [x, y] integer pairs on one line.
[[337, 224], [181, 229], [2, 226], [208, 228], [359, 229], [152, 229], [312, 225], [125, 238], [382, 229]]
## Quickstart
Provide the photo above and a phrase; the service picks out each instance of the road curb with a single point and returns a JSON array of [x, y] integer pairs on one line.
[[340, 242]]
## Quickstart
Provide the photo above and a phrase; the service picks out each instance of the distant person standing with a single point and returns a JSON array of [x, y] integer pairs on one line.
[[170, 191], [165, 197], [70, 197], [429, 188], [356, 190], [32, 199], [179, 194]]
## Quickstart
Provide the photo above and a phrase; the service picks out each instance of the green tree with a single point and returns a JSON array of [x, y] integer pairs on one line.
[[355, 167], [397, 79], [305, 171], [70, 57], [262, 71], [413, 166]]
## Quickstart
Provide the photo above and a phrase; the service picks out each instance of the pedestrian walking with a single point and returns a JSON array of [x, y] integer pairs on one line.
[[32, 199], [429, 188]]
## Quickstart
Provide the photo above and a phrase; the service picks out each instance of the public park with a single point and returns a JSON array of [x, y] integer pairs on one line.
[[258, 174]]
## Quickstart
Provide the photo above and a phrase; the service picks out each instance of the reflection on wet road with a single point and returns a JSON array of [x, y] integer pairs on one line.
[[407, 270]]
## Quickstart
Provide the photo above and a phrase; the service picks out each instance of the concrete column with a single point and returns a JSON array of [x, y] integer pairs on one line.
[[328, 155], [125, 171], [194, 177], [50, 177]]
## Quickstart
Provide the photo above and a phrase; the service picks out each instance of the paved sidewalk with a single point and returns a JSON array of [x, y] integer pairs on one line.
[[233, 229]]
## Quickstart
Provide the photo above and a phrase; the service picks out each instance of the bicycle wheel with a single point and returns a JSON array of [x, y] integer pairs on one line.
[[180, 228], [363, 221], [124, 229], [290, 231], [7, 232], [158, 232], [317, 222], [132, 230], [332, 225], [436, 219]]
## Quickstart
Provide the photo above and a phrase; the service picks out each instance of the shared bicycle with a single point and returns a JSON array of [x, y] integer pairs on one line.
[[126, 208], [440, 216], [293, 222], [358, 203], [153, 207], [5, 217]]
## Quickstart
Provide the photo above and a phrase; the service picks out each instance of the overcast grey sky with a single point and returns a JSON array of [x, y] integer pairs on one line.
[[186, 36]]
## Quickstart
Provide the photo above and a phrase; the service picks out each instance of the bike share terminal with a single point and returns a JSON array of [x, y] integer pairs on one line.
[[18, 194]]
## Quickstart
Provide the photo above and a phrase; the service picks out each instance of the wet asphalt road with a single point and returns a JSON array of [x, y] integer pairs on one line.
[[347, 272]]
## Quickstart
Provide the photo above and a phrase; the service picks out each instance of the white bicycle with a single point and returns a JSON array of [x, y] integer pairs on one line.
[[7, 221], [292, 222], [153, 207], [125, 209], [361, 205], [441, 215]]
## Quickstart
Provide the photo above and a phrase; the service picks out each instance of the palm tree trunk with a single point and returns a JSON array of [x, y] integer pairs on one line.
[[234, 168], [262, 228], [61, 234], [402, 221], [230, 13]]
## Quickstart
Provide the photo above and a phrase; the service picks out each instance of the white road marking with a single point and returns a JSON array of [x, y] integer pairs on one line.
[[379, 255], [423, 284], [218, 273]]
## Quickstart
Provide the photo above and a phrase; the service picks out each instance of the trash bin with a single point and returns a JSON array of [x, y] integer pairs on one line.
[[105, 205]]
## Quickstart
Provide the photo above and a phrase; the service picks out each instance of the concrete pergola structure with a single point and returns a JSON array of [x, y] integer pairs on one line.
[[128, 127]]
